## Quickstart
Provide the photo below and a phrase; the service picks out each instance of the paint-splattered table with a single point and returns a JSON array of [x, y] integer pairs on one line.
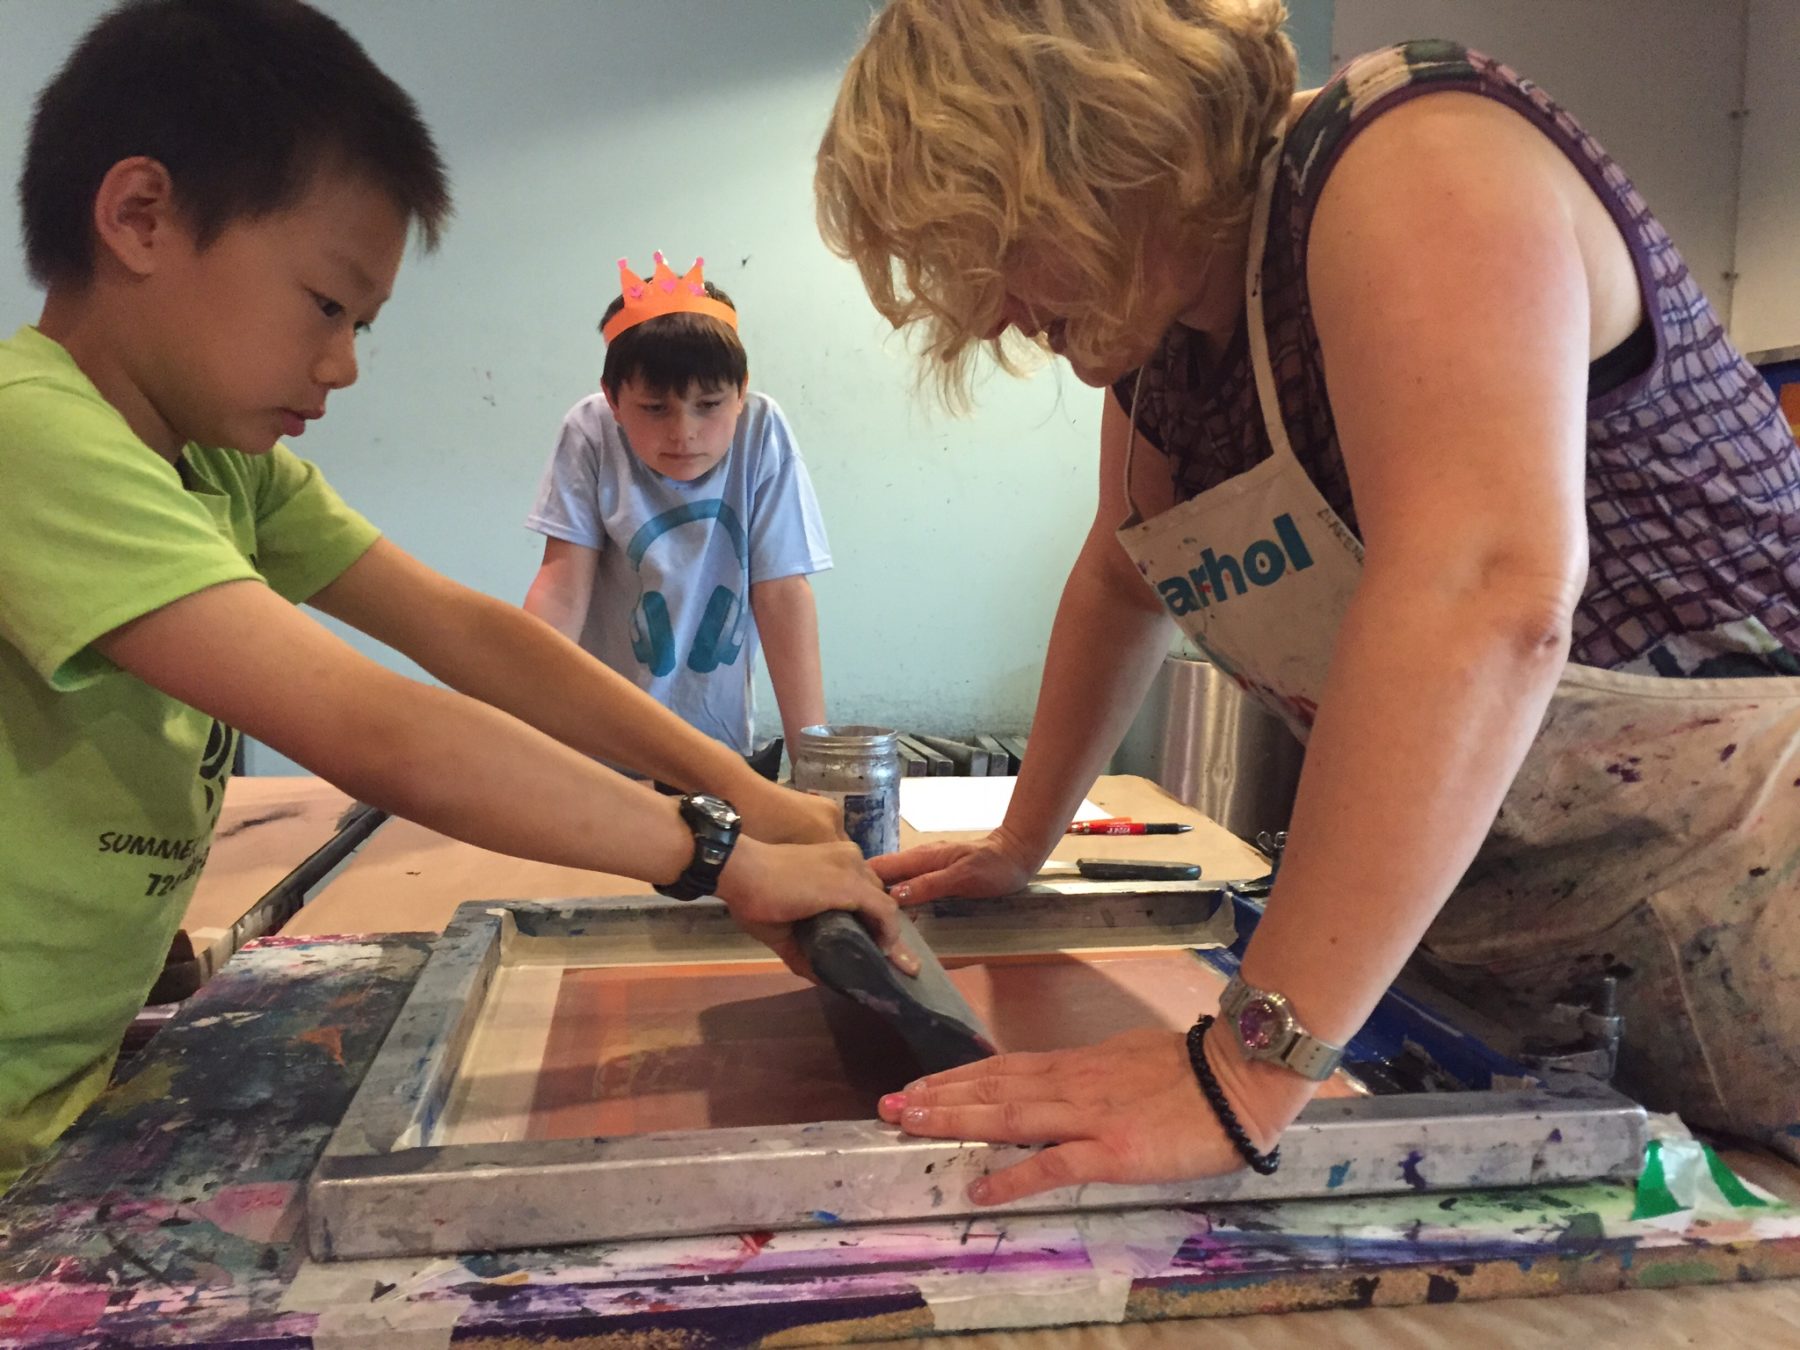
[[170, 1217], [275, 837]]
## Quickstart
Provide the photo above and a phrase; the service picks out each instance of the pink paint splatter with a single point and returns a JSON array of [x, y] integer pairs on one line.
[[46, 1309], [257, 1211]]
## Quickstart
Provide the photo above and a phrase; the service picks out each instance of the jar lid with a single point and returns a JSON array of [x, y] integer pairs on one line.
[[848, 737]]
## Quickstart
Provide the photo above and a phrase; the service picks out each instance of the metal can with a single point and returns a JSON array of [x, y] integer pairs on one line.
[[859, 768]]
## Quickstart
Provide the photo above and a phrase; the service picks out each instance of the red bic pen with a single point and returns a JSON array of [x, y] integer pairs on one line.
[[1127, 827]]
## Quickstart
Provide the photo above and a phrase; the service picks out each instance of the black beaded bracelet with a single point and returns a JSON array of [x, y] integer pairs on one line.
[[1261, 1163]]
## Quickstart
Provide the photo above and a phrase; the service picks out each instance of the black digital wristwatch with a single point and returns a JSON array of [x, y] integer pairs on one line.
[[715, 823]]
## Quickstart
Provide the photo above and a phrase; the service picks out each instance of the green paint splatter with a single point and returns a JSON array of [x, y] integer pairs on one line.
[[1583, 1228], [154, 1082], [1666, 1273]]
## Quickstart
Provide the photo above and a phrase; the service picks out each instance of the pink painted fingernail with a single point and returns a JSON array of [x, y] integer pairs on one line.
[[981, 1191], [913, 1117], [894, 1102]]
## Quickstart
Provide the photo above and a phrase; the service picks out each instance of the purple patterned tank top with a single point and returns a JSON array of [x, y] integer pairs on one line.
[[1693, 478]]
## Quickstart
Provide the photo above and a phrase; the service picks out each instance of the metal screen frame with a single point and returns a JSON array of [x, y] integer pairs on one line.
[[382, 1188]]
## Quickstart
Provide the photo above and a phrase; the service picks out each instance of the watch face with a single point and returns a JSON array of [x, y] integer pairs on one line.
[[1261, 1024], [720, 813]]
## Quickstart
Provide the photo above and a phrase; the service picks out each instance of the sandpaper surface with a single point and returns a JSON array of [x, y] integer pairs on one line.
[[598, 1050]]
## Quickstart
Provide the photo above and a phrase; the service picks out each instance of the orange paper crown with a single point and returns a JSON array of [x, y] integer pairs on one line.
[[664, 293]]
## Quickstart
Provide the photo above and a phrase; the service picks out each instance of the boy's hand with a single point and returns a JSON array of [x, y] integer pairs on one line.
[[778, 815], [771, 887]]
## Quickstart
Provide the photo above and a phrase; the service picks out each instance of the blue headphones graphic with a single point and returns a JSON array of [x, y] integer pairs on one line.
[[720, 637]]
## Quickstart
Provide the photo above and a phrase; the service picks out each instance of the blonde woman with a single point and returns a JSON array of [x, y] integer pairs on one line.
[[1417, 423]]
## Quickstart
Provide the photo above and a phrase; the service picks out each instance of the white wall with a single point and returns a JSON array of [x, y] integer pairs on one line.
[[1655, 81], [1766, 311]]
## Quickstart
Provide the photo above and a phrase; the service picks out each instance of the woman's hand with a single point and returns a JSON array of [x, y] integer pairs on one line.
[[771, 887], [994, 866], [1126, 1110], [778, 815]]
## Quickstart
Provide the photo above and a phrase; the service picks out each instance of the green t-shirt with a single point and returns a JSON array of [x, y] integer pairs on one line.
[[108, 788]]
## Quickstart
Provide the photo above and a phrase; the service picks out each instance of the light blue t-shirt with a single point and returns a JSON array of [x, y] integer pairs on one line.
[[671, 602]]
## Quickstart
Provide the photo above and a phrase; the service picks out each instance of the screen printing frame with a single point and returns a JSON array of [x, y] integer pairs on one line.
[[382, 1188]]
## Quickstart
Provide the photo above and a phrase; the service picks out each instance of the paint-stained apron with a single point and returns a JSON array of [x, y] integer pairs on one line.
[[1653, 831]]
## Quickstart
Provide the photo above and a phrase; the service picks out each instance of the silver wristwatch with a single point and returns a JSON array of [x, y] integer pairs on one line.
[[1264, 1026]]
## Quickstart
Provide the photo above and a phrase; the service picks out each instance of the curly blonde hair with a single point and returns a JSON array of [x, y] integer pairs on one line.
[[965, 128]]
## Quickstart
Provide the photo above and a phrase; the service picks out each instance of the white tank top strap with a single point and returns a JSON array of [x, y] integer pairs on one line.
[[1255, 328], [1258, 334]]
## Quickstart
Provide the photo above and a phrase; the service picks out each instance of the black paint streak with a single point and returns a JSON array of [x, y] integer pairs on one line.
[[239, 826]]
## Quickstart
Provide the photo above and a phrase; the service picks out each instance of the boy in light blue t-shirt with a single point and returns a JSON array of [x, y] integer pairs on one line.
[[680, 524]]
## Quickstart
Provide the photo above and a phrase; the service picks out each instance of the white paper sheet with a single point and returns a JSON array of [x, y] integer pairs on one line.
[[930, 804]]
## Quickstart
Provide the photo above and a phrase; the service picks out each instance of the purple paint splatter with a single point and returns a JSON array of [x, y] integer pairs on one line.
[[1409, 1170]]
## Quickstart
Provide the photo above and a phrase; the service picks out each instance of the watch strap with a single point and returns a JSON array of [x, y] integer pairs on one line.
[[1277, 1037], [713, 844]]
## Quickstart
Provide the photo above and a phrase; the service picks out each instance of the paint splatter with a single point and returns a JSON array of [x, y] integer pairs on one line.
[[1584, 1228], [1727, 752], [52, 1307], [153, 1083], [1339, 1171], [238, 827], [826, 1216], [753, 1243], [1409, 1170], [328, 1039], [257, 1211], [1441, 1289]]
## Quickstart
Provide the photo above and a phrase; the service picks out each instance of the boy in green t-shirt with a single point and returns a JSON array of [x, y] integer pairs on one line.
[[217, 195]]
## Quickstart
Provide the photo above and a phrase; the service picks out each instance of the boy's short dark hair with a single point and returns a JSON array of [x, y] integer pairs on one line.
[[242, 101], [673, 353]]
